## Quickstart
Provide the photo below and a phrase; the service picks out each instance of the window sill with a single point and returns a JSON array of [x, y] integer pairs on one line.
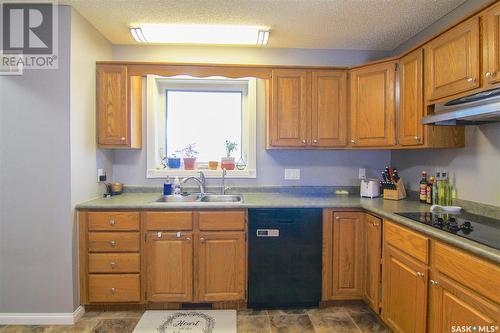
[[164, 173]]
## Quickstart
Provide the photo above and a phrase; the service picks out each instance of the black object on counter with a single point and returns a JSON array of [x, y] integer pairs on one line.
[[284, 254], [477, 228]]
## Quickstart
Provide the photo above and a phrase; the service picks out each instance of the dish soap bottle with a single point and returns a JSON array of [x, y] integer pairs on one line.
[[177, 186]]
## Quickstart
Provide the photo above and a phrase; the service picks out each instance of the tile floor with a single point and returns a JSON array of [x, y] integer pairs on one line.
[[345, 318]]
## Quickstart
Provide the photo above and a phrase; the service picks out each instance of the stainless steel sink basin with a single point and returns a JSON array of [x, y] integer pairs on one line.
[[179, 198], [199, 198], [222, 198]]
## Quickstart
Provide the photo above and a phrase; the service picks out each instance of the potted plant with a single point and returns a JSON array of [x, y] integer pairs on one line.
[[189, 158], [174, 162], [228, 161]]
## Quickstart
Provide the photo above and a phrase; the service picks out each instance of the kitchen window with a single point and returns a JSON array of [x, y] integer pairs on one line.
[[184, 110]]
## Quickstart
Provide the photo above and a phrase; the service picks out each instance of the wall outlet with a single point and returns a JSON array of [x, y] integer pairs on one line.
[[101, 175], [362, 173], [292, 174]]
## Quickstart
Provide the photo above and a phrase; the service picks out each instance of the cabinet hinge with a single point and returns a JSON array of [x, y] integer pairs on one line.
[[396, 66], [145, 236]]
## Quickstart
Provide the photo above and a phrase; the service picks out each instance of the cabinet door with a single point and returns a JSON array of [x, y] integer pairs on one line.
[[411, 108], [289, 109], [221, 266], [373, 244], [112, 113], [373, 105], [169, 267], [329, 109], [404, 292], [453, 305], [343, 255], [492, 46], [452, 61]]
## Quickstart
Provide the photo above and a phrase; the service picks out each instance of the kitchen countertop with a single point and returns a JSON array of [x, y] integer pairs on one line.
[[378, 206]]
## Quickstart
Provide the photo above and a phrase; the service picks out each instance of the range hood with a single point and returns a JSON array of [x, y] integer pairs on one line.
[[477, 109]]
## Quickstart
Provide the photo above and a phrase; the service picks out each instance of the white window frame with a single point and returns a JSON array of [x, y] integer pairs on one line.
[[156, 87]]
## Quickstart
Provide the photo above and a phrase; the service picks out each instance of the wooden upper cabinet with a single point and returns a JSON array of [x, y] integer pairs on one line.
[[118, 108], [329, 109], [373, 256], [491, 46], [452, 61], [343, 256], [454, 305], [411, 109], [221, 266], [169, 267], [289, 110], [404, 292], [373, 105]]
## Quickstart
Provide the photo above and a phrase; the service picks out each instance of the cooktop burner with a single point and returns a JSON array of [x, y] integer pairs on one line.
[[478, 228]]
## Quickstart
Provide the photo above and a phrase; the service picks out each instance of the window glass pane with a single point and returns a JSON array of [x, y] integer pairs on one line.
[[205, 118]]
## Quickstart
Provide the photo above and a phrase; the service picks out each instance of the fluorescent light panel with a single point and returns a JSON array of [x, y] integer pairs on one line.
[[200, 34]]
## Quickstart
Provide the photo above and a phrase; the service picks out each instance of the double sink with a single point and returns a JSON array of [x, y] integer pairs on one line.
[[236, 198]]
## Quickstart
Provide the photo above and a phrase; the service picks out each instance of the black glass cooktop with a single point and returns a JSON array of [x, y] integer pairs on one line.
[[478, 228]]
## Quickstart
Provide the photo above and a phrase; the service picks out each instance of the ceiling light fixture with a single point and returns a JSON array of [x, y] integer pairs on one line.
[[200, 34]]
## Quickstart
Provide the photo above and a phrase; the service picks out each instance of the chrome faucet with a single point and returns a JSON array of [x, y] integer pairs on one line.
[[200, 180], [223, 188]]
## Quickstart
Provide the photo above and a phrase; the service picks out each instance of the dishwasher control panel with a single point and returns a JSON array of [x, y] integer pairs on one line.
[[268, 233]]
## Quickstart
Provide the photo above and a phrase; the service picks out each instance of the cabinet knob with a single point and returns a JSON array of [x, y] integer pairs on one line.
[[420, 274], [471, 80], [122, 138], [178, 234], [488, 74], [112, 222], [188, 239], [112, 243], [113, 291], [417, 138], [159, 234], [337, 217], [304, 141], [434, 282], [315, 141], [202, 239], [353, 141], [112, 264]]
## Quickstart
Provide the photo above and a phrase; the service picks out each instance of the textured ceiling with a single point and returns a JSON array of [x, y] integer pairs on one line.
[[319, 24]]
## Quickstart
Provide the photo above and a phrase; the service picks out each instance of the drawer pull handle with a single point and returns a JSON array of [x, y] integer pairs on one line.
[[112, 243], [304, 141], [159, 234], [471, 80], [434, 282], [113, 264], [112, 222], [188, 239], [113, 291], [178, 234], [420, 274]]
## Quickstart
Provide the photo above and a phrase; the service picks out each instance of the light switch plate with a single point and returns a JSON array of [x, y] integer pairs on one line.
[[100, 173], [362, 173], [292, 174]]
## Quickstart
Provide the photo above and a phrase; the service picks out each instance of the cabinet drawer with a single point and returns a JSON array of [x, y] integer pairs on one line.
[[113, 241], [229, 220], [479, 275], [114, 263], [408, 241], [169, 220], [111, 221], [114, 288]]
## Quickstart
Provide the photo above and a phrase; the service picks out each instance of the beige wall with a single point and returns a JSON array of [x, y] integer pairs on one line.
[[87, 47], [474, 170]]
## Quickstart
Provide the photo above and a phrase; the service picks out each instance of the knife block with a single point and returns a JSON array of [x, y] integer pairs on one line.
[[395, 191]]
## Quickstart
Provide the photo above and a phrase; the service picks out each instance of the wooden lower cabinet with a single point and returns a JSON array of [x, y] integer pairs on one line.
[[404, 292], [221, 266], [373, 253], [170, 267], [343, 253], [452, 305]]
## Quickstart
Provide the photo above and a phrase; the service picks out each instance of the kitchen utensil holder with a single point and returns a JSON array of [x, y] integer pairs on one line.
[[395, 191]]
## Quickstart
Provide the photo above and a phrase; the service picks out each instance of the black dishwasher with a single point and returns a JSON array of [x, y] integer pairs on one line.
[[284, 254]]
